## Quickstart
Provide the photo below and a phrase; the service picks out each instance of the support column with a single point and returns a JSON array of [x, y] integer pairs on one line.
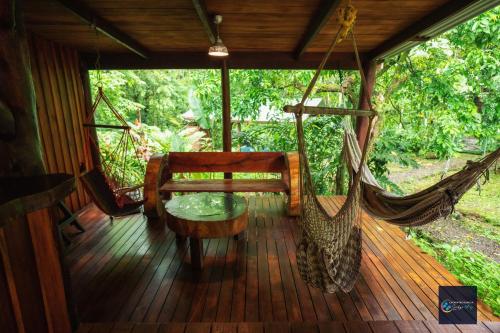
[[93, 149], [226, 113], [370, 69]]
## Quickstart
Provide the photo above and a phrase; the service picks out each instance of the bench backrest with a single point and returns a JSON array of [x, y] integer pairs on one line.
[[226, 162]]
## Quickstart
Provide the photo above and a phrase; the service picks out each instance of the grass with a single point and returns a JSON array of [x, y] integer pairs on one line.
[[471, 268], [478, 212]]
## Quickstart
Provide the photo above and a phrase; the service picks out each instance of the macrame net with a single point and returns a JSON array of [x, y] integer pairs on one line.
[[329, 251], [114, 162]]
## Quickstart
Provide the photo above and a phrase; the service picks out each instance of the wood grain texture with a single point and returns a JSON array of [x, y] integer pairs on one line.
[[43, 235], [390, 326], [293, 181], [278, 26], [396, 276], [61, 112], [156, 175], [226, 162], [209, 229]]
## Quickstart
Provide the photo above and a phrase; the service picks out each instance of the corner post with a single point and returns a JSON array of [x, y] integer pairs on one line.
[[370, 70], [87, 94], [226, 112]]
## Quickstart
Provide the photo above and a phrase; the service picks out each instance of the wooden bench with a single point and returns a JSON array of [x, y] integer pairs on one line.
[[158, 182]]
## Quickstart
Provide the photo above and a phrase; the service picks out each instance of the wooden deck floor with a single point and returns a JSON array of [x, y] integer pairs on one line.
[[128, 271]]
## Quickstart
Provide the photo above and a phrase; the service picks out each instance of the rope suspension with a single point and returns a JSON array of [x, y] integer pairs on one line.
[[329, 251]]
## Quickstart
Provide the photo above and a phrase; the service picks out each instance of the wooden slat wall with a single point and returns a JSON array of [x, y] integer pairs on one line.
[[61, 111]]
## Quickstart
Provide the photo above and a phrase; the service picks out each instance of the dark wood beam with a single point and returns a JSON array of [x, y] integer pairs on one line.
[[87, 95], [226, 113], [317, 22], [443, 18], [235, 60], [103, 26], [206, 21]]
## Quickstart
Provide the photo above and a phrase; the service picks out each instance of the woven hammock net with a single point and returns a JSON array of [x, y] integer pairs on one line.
[[426, 206], [329, 252]]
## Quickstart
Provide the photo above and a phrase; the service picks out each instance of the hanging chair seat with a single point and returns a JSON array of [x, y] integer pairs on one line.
[[97, 187]]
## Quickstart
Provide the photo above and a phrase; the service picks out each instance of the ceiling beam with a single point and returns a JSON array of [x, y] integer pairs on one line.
[[317, 22], [201, 10], [105, 27], [236, 60], [440, 20]]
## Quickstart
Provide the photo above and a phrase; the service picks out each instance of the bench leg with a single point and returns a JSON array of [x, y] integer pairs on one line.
[[196, 248]]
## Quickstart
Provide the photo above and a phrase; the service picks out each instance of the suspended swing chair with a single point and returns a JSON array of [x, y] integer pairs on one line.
[[329, 250], [107, 184]]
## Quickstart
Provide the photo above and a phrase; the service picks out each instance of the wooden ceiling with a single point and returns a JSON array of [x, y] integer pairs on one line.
[[257, 32]]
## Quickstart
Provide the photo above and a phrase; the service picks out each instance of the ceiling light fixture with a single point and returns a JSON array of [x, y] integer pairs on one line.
[[218, 49]]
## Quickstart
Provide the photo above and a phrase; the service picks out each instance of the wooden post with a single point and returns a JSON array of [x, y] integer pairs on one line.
[[96, 159], [226, 112], [365, 93]]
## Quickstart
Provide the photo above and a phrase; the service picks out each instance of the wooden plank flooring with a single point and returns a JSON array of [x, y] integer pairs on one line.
[[398, 326], [128, 271]]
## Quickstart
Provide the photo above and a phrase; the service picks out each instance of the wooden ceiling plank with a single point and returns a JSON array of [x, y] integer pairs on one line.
[[317, 22], [201, 10], [104, 26]]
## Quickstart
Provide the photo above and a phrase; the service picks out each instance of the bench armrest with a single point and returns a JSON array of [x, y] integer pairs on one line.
[[291, 176], [157, 173]]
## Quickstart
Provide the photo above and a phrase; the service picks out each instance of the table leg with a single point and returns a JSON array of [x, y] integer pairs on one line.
[[180, 240], [239, 236], [196, 248]]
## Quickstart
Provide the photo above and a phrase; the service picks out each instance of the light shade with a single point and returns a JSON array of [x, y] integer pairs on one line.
[[218, 49]]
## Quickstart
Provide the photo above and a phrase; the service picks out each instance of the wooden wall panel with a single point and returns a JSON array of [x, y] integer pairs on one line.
[[61, 111]]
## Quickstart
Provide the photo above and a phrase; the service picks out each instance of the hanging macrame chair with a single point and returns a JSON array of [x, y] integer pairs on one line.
[[426, 206], [329, 250], [113, 164]]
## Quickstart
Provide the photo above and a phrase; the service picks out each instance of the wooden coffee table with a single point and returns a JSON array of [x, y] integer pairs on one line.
[[206, 215]]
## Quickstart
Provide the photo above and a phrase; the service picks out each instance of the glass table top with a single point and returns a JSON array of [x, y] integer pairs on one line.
[[206, 206]]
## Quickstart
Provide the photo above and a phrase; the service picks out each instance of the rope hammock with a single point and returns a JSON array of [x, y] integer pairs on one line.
[[431, 204], [113, 164], [329, 250]]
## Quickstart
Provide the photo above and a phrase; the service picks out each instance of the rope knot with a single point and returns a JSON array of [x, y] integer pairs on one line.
[[346, 16]]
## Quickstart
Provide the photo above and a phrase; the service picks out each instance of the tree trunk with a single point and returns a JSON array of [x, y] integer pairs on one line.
[[21, 152]]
